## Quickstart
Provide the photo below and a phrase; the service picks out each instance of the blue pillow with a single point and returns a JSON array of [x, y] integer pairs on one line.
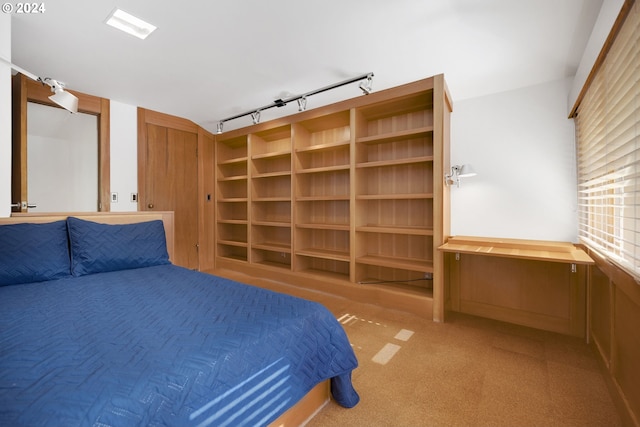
[[97, 248], [33, 252]]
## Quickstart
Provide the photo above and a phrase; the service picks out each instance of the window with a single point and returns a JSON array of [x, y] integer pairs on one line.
[[608, 127]]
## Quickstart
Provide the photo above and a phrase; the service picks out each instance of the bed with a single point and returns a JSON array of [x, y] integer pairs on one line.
[[98, 328]]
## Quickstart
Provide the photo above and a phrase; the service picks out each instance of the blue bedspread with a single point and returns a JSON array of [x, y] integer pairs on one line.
[[162, 345]]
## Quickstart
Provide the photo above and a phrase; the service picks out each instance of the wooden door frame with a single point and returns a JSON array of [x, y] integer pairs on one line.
[[26, 90]]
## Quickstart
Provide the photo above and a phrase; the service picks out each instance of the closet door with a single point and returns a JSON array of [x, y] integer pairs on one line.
[[171, 184]]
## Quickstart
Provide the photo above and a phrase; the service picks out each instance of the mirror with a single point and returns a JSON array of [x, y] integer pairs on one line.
[[62, 160], [26, 91]]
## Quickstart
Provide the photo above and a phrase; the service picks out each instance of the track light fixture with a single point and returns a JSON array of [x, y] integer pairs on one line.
[[302, 103], [62, 98], [366, 86], [457, 172]]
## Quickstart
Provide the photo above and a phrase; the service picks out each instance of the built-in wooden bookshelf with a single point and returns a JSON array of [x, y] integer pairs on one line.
[[350, 196], [394, 192], [270, 216], [323, 184], [232, 177]]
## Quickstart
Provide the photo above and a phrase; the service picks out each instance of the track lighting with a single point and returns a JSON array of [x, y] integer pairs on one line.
[[302, 103], [366, 86], [62, 98], [457, 172]]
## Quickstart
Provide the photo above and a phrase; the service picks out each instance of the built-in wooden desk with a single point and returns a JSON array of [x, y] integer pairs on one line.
[[535, 283]]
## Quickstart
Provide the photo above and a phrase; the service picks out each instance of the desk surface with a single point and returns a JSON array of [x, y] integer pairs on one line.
[[518, 248]]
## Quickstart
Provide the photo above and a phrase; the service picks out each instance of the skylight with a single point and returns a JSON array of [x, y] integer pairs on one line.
[[130, 24]]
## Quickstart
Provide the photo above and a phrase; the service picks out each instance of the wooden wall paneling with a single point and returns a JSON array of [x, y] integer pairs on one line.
[[142, 158], [104, 156], [207, 196], [626, 350], [614, 308], [600, 319]]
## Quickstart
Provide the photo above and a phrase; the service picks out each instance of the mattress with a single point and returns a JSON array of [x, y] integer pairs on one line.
[[163, 346]]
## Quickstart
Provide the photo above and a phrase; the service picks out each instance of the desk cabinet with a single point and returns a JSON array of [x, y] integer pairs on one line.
[[533, 283]]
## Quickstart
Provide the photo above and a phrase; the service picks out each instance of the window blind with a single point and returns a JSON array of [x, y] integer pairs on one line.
[[608, 152]]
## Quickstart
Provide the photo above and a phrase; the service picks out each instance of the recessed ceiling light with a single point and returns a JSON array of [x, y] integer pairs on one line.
[[129, 24]]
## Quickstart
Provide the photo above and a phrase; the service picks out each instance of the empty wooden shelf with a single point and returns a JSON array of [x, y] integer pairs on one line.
[[348, 198]]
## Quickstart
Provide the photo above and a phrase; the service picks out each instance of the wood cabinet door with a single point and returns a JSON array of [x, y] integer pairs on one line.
[[171, 184]]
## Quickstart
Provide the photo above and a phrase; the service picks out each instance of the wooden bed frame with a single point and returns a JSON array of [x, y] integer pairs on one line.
[[297, 415]]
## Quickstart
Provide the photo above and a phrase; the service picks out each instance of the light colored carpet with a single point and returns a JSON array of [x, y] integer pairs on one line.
[[467, 371]]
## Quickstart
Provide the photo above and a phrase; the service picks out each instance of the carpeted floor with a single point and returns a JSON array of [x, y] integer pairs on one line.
[[467, 371]]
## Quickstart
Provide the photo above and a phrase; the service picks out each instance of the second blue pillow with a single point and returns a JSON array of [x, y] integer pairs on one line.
[[97, 247]]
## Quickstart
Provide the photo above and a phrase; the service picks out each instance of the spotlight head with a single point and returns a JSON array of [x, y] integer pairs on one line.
[[367, 85], [457, 172], [255, 116], [302, 103], [62, 98], [219, 128], [65, 100]]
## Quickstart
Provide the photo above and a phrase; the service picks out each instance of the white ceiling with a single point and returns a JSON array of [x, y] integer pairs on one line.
[[209, 60]]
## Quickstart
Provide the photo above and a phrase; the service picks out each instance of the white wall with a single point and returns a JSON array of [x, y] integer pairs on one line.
[[5, 116], [522, 146], [124, 155], [491, 132]]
